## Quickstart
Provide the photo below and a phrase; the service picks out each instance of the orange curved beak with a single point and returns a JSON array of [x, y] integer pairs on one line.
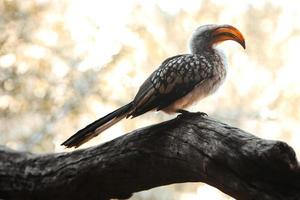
[[227, 32]]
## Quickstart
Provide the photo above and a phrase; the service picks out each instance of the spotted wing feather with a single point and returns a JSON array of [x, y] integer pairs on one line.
[[174, 79]]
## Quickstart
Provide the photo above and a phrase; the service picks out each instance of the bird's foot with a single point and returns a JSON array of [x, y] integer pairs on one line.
[[191, 114]]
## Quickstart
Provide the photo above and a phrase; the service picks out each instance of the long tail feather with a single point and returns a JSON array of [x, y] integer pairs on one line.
[[98, 126]]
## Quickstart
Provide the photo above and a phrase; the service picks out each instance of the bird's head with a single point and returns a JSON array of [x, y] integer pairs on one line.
[[206, 37]]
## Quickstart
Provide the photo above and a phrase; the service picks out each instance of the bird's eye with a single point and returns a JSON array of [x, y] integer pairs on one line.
[[206, 34]]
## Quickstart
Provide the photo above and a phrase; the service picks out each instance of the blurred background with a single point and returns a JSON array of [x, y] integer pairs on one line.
[[64, 63]]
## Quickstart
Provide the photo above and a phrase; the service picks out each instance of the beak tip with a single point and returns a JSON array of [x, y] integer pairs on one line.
[[244, 44]]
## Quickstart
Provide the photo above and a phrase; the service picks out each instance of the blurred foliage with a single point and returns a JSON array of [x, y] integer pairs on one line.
[[65, 63]]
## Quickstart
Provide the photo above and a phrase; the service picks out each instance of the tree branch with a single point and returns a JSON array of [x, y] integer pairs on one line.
[[188, 148]]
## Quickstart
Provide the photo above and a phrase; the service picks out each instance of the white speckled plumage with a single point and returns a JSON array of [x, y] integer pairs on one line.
[[204, 88]]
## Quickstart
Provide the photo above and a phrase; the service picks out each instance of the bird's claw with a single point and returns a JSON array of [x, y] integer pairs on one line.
[[191, 114]]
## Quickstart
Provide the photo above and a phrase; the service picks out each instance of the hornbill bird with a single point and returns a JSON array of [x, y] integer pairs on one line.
[[177, 83]]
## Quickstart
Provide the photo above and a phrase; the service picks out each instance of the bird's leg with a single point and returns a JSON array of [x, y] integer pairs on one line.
[[185, 112]]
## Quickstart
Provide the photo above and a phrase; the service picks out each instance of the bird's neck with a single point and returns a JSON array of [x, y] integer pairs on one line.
[[212, 53], [196, 49], [198, 45], [205, 51]]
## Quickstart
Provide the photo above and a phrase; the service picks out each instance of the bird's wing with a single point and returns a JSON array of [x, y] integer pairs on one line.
[[174, 79]]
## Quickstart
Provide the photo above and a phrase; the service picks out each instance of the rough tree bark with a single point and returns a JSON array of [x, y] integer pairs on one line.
[[189, 148]]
